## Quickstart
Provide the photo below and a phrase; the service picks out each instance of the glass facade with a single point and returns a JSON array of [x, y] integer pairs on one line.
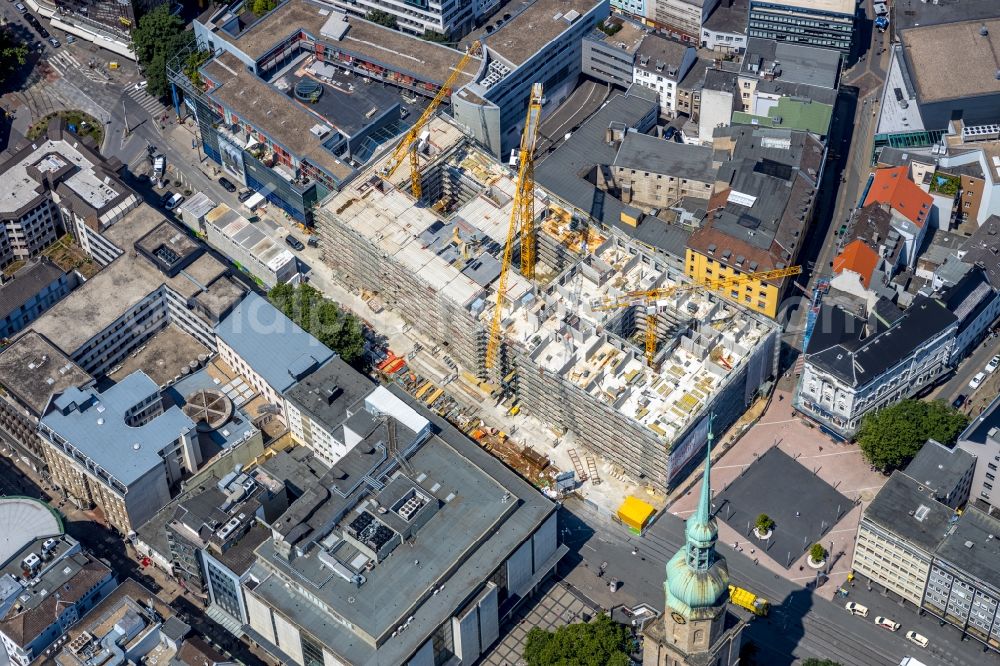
[[799, 25], [443, 642], [312, 652], [225, 590]]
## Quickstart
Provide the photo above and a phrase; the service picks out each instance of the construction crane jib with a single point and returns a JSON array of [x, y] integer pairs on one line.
[[522, 218], [647, 297], [407, 147]]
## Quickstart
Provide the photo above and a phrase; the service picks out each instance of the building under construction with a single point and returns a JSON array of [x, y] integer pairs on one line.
[[565, 357]]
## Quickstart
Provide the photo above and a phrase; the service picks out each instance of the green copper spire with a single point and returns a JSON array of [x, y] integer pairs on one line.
[[696, 576]]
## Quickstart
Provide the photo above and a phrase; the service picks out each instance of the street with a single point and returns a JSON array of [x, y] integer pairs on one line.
[[800, 625]]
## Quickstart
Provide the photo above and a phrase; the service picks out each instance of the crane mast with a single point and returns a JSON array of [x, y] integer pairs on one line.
[[522, 219], [407, 147]]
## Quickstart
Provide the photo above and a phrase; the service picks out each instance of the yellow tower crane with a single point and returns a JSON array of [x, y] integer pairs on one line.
[[644, 297], [408, 144], [522, 218]]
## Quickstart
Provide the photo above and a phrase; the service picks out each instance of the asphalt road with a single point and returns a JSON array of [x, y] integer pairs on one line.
[[800, 624]]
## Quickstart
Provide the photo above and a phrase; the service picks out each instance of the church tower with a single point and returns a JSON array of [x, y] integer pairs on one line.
[[696, 628]]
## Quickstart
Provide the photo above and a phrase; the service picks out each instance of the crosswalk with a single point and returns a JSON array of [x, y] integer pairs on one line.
[[149, 104], [64, 60]]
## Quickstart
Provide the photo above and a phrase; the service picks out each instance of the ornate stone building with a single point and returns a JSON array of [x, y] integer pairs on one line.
[[697, 628]]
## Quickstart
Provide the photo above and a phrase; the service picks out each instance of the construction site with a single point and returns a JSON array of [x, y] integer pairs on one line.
[[632, 377]]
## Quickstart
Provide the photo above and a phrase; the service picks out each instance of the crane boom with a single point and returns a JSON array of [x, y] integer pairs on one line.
[[407, 146], [522, 218], [644, 296]]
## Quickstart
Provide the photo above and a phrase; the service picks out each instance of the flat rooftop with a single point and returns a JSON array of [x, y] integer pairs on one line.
[[835, 6], [479, 512], [630, 35], [927, 13], [533, 25], [87, 311], [795, 62], [283, 118], [128, 600], [47, 156], [164, 356], [99, 427], [247, 235], [348, 102], [395, 50], [32, 369], [973, 547], [731, 19], [905, 508], [420, 238], [328, 394], [954, 60]]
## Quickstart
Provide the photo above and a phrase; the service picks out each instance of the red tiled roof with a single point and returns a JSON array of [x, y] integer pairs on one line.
[[857, 258], [893, 187]]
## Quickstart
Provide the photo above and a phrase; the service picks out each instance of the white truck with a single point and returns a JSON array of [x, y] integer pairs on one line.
[[911, 661]]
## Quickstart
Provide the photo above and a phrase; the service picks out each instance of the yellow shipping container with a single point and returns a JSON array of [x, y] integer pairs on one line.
[[635, 513]]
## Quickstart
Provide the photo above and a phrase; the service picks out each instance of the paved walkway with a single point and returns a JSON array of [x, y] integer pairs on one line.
[[840, 465], [557, 607]]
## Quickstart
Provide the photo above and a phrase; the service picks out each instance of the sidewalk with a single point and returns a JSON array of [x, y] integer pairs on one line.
[[840, 465]]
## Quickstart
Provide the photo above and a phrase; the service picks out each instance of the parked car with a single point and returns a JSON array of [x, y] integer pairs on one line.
[[70, 39], [669, 133], [54, 42], [977, 381], [21, 8], [167, 196], [914, 637], [886, 623], [227, 185], [959, 401], [245, 195], [141, 85], [294, 242], [855, 608], [174, 202], [313, 241], [993, 364]]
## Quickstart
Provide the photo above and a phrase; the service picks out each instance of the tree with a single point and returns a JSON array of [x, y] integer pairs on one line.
[[315, 314], [382, 18], [764, 523], [817, 553], [194, 62], [598, 643], [820, 662], [158, 37], [890, 437], [261, 7], [435, 36], [13, 52]]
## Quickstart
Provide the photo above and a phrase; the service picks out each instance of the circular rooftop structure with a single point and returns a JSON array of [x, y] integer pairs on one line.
[[25, 520], [209, 408], [308, 90]]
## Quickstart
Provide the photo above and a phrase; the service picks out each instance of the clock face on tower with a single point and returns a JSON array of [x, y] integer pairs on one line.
[[678, 618]]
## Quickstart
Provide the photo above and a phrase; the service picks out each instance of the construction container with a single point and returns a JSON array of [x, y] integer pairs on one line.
[[635, 514], [748, 600]]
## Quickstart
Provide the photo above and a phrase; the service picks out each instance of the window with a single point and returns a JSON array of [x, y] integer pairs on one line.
[[988, 486], [312, 652]]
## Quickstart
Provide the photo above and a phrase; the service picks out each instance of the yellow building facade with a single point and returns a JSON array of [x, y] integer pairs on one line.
[[762, 297]]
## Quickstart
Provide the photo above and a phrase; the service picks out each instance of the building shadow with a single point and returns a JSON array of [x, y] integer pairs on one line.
[[771, 640]]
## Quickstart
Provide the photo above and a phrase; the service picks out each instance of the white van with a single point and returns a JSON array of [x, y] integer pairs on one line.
[[174, 202]]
